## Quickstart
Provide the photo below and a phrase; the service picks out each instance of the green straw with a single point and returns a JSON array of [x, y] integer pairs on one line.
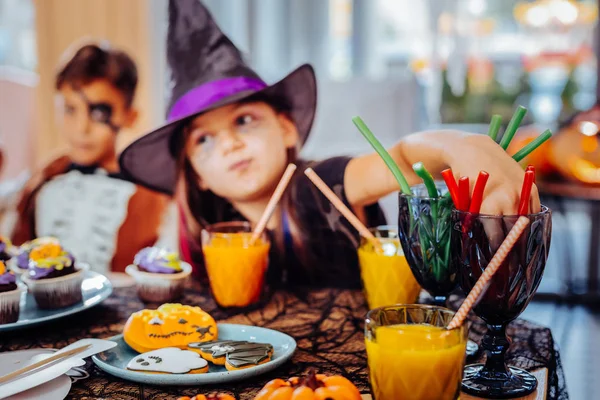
[[389, 161], [512, 127], [537, 142], [422, 173], [432, 191], [495, 126]]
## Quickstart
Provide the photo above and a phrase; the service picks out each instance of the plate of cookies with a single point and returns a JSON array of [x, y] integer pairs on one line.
[[183, 345]]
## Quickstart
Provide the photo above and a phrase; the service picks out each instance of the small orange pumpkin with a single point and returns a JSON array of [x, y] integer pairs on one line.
[[171, 325], [313, 386], [212, 396]]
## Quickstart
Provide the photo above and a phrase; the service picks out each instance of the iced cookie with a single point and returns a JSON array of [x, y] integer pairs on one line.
[[171, 325], [235, 354], [170, 360], [211, 396]]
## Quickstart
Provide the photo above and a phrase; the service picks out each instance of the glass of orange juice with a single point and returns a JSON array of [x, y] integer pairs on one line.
[[235, 267], [411, 354], [386, 276]]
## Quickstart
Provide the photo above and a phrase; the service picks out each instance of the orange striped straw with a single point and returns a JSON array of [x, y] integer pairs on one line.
[[272, 204], [487, 274], [341, 207]]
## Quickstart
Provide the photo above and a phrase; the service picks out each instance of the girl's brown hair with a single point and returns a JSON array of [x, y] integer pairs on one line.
[[202, 207]]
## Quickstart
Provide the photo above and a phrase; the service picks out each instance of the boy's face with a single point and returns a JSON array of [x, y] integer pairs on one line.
[[91, 118], [239, 151]]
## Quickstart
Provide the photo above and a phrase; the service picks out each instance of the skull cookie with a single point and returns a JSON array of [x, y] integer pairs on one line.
[[170, 360]]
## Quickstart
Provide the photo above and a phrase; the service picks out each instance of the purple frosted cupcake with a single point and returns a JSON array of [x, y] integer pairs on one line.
[[53, 277], [10, 295], [160, 274], [20, 263]]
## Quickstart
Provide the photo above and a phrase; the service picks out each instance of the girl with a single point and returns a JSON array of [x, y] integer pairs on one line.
[[230, 137]]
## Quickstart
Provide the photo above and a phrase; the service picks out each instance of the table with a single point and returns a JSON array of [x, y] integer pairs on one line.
[[326, 323]]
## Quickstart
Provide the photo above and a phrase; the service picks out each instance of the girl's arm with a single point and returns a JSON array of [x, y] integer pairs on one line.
[[367, 178]]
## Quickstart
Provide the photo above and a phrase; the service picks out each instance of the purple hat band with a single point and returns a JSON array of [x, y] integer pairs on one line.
[[203, 96]]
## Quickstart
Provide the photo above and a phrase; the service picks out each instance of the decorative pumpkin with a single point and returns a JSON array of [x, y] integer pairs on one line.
[[212, 396], [575, 151], [171, 325], [313, 386]]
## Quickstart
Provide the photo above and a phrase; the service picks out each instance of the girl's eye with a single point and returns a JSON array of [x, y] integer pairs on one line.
[[203, 139], [244, 120]]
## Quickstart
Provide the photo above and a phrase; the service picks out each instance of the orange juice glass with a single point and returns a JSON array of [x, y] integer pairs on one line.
[[386, 276], [411, 354], [235, 267]]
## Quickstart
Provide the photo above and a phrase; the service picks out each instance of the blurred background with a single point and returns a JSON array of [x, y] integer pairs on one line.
[[403, 65]]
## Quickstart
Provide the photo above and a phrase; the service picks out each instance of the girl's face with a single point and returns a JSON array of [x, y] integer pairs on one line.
[[239, 151]]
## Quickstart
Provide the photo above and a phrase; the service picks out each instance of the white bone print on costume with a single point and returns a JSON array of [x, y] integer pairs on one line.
[[85, 212]]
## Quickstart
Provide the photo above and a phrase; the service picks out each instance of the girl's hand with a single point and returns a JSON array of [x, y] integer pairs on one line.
[[474, 153]]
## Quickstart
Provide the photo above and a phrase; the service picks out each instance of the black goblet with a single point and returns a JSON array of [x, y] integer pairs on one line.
[[475, 240]]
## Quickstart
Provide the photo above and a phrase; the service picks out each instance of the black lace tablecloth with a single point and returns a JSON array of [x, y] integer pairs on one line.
[[327, 325]]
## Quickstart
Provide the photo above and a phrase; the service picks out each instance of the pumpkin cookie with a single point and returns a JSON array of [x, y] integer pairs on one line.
[[170, 360], [235, 354], [171, 325]]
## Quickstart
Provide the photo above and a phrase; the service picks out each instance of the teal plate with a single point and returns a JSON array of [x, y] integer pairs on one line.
[[115, 360], [95, 289]]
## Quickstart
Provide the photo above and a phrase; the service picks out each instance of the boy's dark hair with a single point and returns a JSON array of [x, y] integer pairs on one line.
[[92, 62]]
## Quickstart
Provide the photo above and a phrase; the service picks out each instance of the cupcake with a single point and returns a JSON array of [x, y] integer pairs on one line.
[[10, 295], [53, 277], [20, 263], [159, 274]]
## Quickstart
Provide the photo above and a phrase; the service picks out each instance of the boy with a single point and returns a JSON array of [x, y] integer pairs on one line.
[[81, 198]]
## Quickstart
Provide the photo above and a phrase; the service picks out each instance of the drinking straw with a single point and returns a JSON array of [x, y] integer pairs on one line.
[[451, 184], [487, 274], [531, 146], [341, 207], [512, 127], [478, 190], [422, 173], [495, 126], [272, 204], [532, 169], [463, 193], [389, 161], [526, 192]]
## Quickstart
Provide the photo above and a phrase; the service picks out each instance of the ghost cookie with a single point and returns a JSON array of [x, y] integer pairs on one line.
[[170, 360], [234, 354]]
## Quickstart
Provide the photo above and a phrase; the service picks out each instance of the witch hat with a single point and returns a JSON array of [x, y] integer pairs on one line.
[[207, 71]]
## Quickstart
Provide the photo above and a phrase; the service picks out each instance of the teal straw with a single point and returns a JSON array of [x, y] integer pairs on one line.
[[512, 127], [389, 161], [537, 142], [495, 126]]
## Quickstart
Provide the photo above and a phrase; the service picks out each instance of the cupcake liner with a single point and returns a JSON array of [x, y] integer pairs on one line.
[[57, 292], [10, 304], [159, 288]]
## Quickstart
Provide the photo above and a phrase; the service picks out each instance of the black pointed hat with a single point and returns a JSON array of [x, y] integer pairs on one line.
[[207, 71]]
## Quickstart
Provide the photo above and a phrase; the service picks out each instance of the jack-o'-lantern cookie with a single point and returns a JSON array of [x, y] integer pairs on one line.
[[170, 360], [235, 354], [171, 325]]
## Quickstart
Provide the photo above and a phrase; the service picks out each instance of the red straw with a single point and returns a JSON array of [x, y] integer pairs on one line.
[[452, 186], [463, 193], [495, 263], [532, 169], [478, 190], [526, 192]]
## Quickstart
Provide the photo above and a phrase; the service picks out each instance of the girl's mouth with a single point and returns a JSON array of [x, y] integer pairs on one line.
[[240, 165]]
